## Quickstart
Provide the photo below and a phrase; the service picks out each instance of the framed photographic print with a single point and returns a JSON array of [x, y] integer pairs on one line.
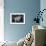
[[17, 18]]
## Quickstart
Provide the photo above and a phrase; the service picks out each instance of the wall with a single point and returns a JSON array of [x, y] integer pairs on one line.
[[43, 6], [29, 7], [1, 21]]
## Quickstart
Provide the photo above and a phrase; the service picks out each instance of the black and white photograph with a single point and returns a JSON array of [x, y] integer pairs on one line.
[[17, 18]]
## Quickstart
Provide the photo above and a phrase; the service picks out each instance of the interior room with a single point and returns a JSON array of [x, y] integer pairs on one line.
[[22, 22]]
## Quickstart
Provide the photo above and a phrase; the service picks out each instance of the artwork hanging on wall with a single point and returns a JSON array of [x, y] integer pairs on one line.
[[17, 18]]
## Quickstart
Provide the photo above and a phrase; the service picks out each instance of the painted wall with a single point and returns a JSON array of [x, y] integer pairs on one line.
[[43, 6], [29, 7], [1, 21]]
